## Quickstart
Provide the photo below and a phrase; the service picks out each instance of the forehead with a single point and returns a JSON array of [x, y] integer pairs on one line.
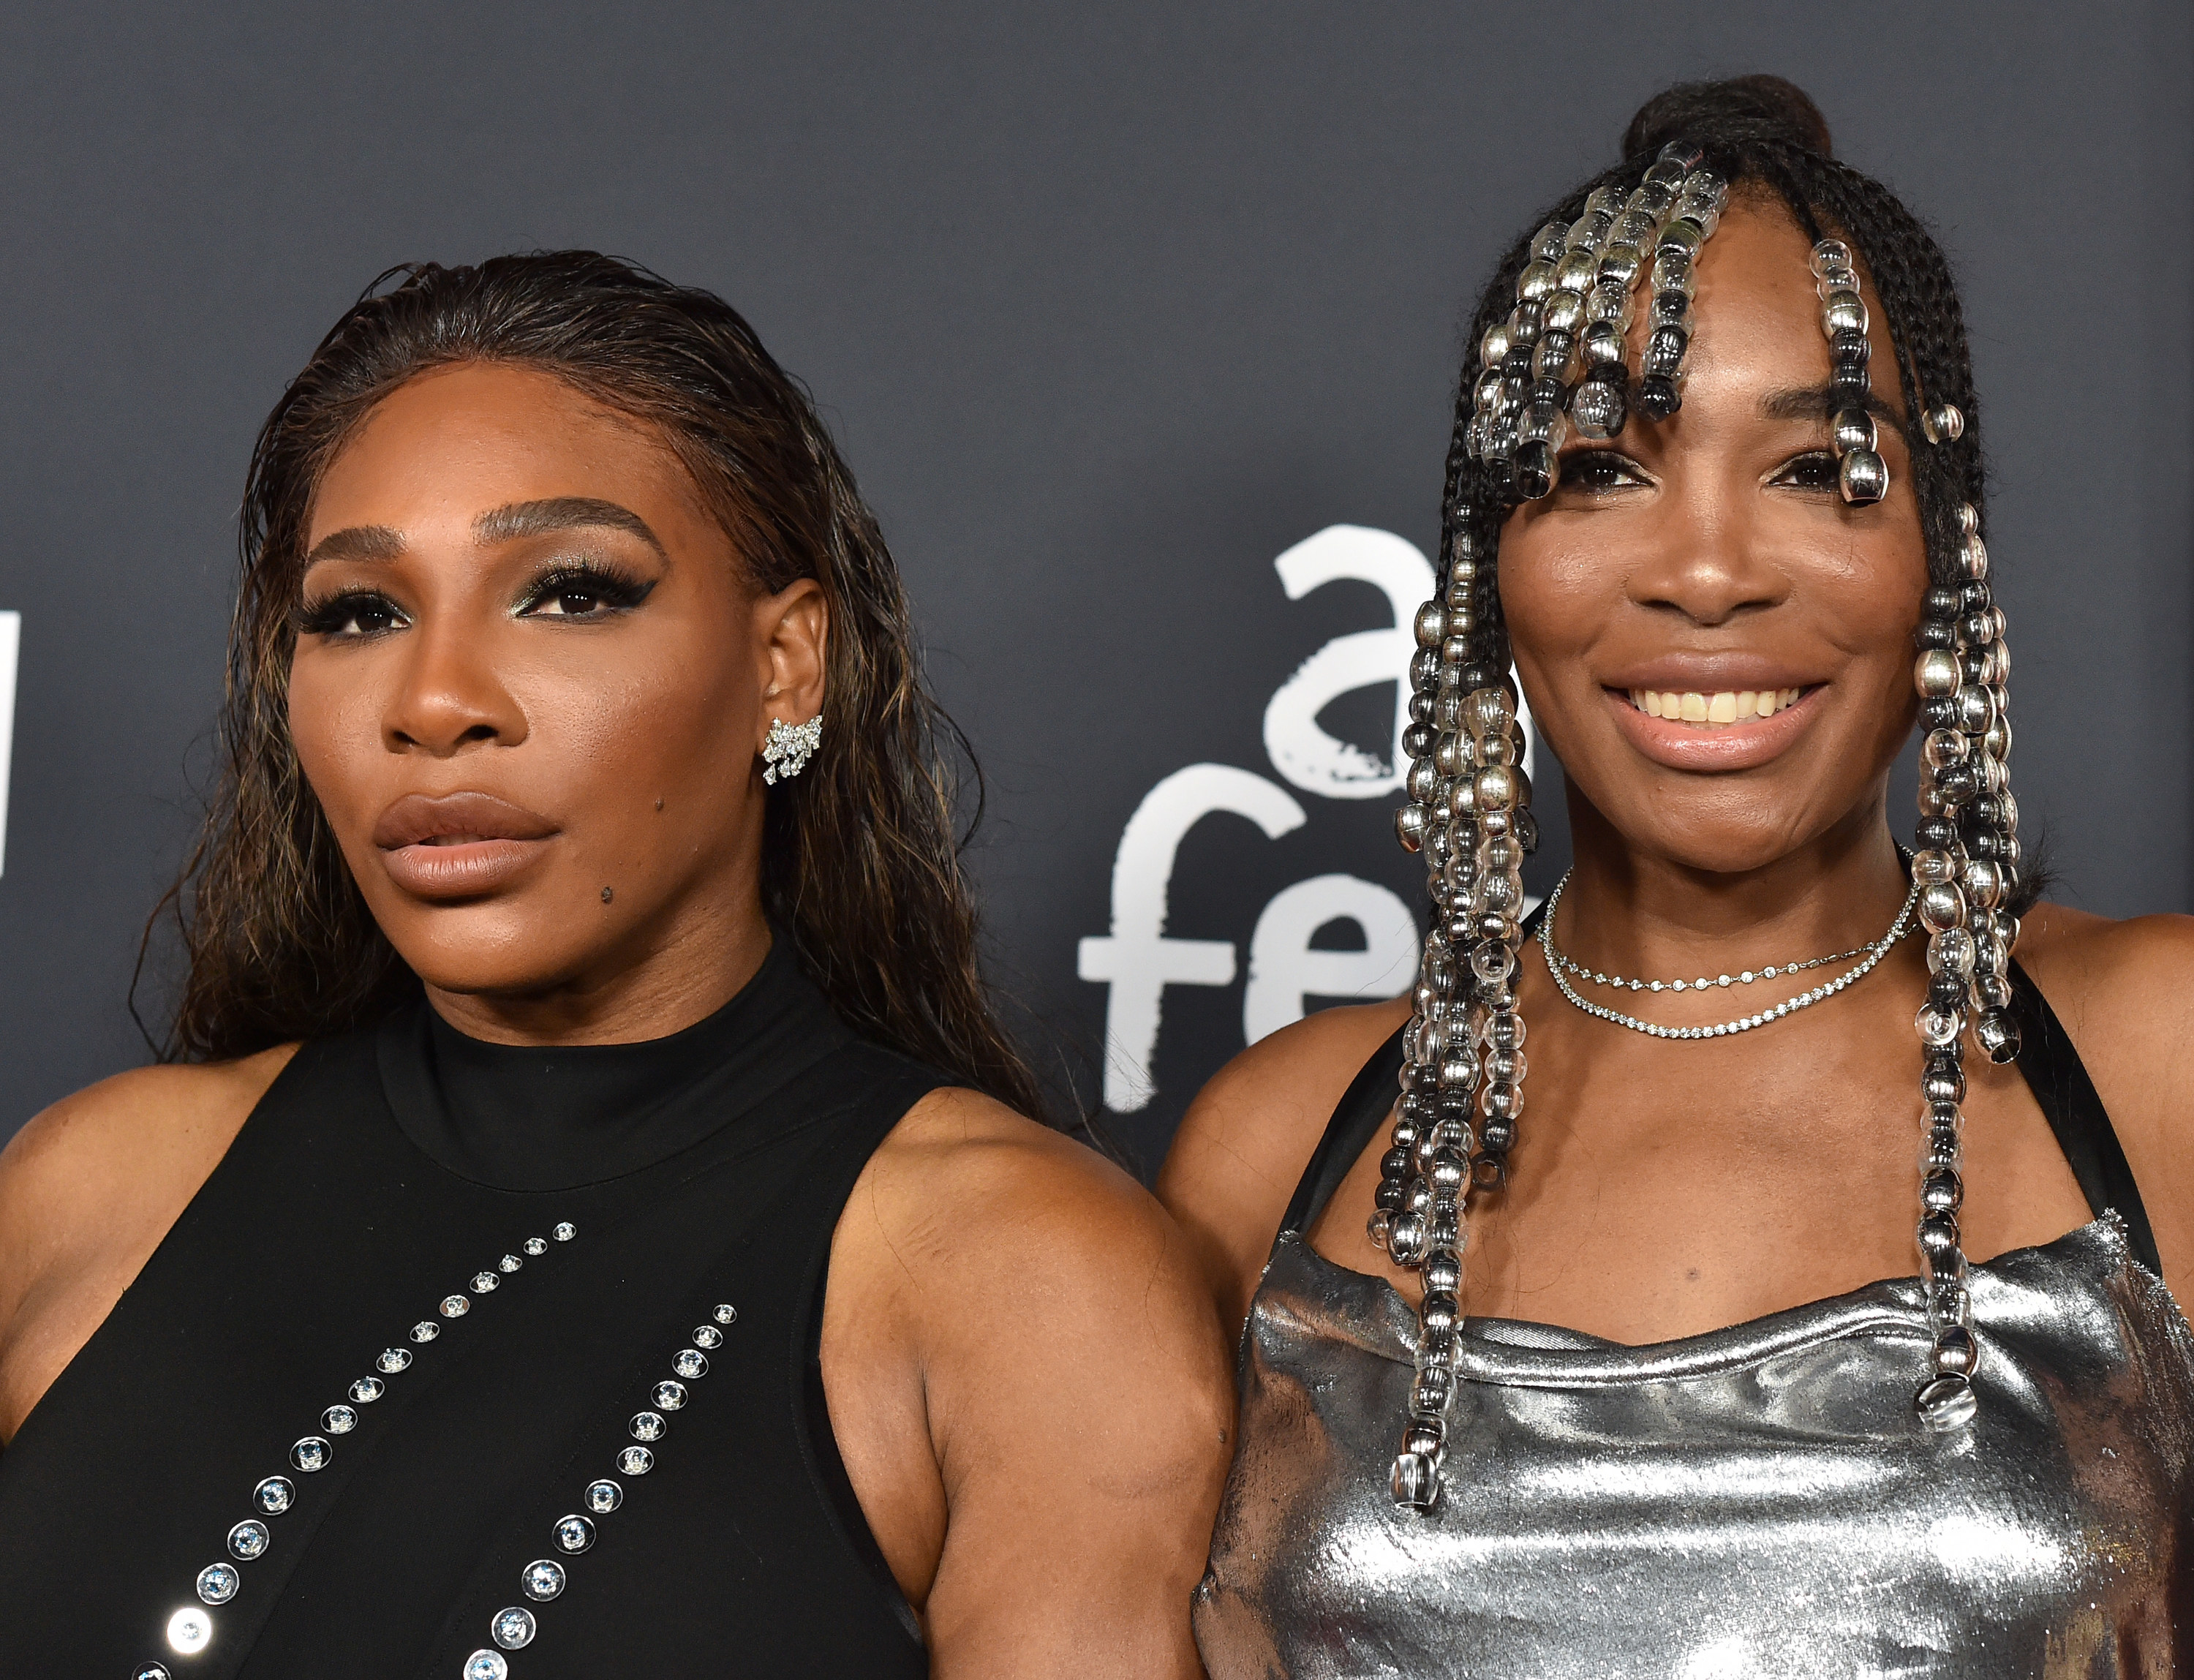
[[453, 441], [1757, 315]]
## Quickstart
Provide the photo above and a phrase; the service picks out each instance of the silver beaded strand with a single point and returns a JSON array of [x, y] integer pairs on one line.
[[1968, 869], [1469, 809]]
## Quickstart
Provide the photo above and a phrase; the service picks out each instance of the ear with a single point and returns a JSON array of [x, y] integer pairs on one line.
[[792, 632]]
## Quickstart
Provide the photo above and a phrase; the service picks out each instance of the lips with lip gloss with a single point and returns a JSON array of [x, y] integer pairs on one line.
[[1683, 741], [458, 845]]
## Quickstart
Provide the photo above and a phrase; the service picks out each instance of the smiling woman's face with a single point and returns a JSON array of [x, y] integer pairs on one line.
[[1706, 565], [530, 684]]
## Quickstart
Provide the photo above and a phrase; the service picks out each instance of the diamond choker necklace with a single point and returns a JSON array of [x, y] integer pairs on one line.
[[1561, 967]]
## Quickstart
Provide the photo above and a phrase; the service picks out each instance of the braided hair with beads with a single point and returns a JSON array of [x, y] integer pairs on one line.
[[1551, 336]]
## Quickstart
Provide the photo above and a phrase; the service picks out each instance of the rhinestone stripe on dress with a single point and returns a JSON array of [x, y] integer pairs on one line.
[[191, 1629], [514, 1627]]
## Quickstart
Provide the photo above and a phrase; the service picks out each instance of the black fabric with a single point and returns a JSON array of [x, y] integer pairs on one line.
[[2059, 1081], [333, 1225], [2053, 1067]]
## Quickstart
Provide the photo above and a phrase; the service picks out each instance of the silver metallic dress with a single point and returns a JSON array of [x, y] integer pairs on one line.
[[1758, 1501]]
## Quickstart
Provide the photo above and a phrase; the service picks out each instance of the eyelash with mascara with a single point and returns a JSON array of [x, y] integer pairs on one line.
[[603, 585]]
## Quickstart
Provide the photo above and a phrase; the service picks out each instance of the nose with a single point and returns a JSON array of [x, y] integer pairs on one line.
[[449, 695], [1704, 559]]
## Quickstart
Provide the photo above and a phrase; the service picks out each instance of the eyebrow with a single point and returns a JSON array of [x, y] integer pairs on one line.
[[1821, 402], [507, 523], [562, 513], [356, 542]]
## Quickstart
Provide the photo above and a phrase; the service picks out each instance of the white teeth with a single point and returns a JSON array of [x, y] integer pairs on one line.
[[1724, 706]]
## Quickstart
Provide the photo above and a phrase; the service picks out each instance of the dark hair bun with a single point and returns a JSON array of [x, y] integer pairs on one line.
[[1747, 107]]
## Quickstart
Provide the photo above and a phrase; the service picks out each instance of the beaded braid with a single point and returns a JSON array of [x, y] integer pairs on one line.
[[1463, 1074], [1559, 358]]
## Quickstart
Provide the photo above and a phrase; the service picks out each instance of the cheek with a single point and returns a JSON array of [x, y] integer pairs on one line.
[[672, 720], [1554, 595], [335, 727]]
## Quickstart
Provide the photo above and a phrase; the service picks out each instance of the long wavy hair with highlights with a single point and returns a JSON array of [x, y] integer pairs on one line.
[[861, 855]]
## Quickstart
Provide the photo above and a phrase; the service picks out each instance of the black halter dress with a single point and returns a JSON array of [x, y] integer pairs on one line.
[[480, 1362]]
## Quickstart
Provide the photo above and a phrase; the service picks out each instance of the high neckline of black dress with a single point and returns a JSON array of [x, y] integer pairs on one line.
[[541, 1118]]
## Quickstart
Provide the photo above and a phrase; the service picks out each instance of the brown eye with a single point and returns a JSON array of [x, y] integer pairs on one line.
[[1816, 470], [354, 613], [1595, 471], [591, 589]]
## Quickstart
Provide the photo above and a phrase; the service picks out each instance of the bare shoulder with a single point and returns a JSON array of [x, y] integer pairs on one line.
[[2129, 986], [87, 1190], [2125, 992], [1245, 1140], [963, 1187], [128, 1134]]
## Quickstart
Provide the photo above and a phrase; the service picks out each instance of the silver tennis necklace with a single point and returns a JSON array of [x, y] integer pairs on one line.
[[1561, 967]]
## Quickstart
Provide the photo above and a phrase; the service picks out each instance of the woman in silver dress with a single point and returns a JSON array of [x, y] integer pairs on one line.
[[1716, 490]]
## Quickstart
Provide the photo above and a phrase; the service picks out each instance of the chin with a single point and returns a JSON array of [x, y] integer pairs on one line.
[[1728, 831], [487, 948]]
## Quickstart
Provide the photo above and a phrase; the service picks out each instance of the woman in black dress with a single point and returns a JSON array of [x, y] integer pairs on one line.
[[584, 1226]]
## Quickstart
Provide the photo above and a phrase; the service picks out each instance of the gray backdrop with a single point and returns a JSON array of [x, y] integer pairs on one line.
[[1112, 306]]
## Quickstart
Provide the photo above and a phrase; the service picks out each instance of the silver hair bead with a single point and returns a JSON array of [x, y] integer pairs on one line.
[[1943, 423], [1863, 477]]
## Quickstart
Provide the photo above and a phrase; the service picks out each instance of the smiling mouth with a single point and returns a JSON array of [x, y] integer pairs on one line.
[[1719, 709]]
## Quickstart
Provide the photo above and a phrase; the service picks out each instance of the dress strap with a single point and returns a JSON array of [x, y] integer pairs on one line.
[[2059, 1081]]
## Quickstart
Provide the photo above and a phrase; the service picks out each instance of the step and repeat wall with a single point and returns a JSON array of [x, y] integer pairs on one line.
[[1139, 325]]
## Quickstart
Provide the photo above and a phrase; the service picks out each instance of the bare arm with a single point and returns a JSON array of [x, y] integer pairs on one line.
[[1029, 1388], [87, 1189], [1246, 1139]]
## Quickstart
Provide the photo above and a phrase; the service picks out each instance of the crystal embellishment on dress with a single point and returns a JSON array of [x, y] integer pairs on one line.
[[218, 1582], [542, 1580], [513, 1628], [545, 1578], [190, 1629], [574, 1535], [727, 1314]]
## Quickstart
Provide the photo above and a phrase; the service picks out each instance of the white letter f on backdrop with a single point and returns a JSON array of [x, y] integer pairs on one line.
[[1136, 960]]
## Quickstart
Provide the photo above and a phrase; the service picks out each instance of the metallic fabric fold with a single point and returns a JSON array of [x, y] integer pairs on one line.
[[1758, 1501]]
